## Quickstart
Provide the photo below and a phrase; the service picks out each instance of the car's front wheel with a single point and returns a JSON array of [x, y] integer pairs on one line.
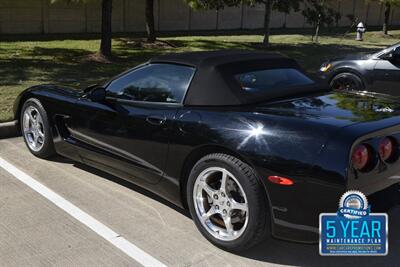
[[347, 81], [228, 203], [36, 130]]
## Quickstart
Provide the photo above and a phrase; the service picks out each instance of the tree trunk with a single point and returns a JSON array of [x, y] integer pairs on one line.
[[267, 20], [387, 15], [319, 21], [151, 37], [106, 28], [317, 27], [316, 36]]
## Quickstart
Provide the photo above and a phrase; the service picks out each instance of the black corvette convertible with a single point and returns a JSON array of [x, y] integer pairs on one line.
[[378, 72], [246, 141]]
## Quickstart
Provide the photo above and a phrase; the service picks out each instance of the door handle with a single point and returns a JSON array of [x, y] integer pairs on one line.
[[156, 120]]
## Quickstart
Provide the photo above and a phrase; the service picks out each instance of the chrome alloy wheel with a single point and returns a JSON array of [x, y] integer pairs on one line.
[[221, 204], [33, 128]]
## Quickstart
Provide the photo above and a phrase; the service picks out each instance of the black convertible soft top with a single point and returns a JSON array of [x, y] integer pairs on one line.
[[213, 83], [214, 58]]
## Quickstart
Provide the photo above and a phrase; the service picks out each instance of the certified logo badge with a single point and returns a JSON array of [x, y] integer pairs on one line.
[[353, 205], [353, 230]]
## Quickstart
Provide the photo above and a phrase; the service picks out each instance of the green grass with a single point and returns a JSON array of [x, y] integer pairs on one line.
[[26, 63]]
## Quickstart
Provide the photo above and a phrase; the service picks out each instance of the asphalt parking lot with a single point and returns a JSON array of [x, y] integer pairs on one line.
[[36, 232]]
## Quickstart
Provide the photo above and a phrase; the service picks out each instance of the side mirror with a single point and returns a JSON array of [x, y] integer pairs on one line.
[[89, 88], [98, 94], [387, 57], [396, 55]]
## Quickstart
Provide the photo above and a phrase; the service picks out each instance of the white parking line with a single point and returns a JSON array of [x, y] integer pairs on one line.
[[102, 230]]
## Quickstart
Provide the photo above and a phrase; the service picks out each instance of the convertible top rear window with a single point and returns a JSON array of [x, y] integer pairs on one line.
[[272, 79]]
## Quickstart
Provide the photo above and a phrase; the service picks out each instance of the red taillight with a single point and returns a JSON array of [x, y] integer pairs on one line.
[[280, 180], [386, 148], [361, 157]]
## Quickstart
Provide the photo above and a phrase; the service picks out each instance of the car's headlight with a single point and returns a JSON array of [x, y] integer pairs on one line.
[[325, 67]]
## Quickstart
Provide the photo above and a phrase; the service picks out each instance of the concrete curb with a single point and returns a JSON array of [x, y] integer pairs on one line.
[[9, 129]]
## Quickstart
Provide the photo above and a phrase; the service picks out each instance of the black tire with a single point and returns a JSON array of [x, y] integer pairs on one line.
[[47, 149], [259, 219], [347, 81]]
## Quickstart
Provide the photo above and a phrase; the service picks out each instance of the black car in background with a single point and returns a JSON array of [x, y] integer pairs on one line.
[[246, 141], [378, 72]]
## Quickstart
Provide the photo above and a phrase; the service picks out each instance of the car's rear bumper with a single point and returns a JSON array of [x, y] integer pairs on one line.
[[295, 209], [380, 201]]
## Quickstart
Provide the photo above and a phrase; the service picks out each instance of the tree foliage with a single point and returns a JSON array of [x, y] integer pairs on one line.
[[212, 4], [285, 6], [388, 7], [319, 13], [363, 108], [391, 2], [74, 1], [316, 11]]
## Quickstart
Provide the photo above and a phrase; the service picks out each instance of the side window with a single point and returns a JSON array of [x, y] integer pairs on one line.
[[153, 83], [270, 79]]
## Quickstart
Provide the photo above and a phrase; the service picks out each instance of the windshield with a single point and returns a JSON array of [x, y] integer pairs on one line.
[[272, 80], [387, 50]]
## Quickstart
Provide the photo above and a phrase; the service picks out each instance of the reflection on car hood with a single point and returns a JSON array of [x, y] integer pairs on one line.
[[339, 108], [359, 56]]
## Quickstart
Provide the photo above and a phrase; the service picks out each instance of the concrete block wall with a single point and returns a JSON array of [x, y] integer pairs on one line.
[[42, 17], [203, 20], [395, 20], [361, 9], [295, 20], [62, 17], [375, 14], [20, 16], [253, 17], [173, 15]]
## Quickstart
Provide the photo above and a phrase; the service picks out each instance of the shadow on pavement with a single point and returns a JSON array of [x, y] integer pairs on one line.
[[131, 186], [277, 251]]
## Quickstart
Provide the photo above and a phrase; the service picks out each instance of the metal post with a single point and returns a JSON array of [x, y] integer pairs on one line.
[[86, 18], [158, 14], [380, 13], [45, 16], [392, 16], [241, 18], [123, 15], [338, 10], [284, 26], [190, 18], [217, 20]]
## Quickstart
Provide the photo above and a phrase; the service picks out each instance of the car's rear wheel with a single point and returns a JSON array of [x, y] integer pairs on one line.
[[35, 129], [347, 81], [227, 202]]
